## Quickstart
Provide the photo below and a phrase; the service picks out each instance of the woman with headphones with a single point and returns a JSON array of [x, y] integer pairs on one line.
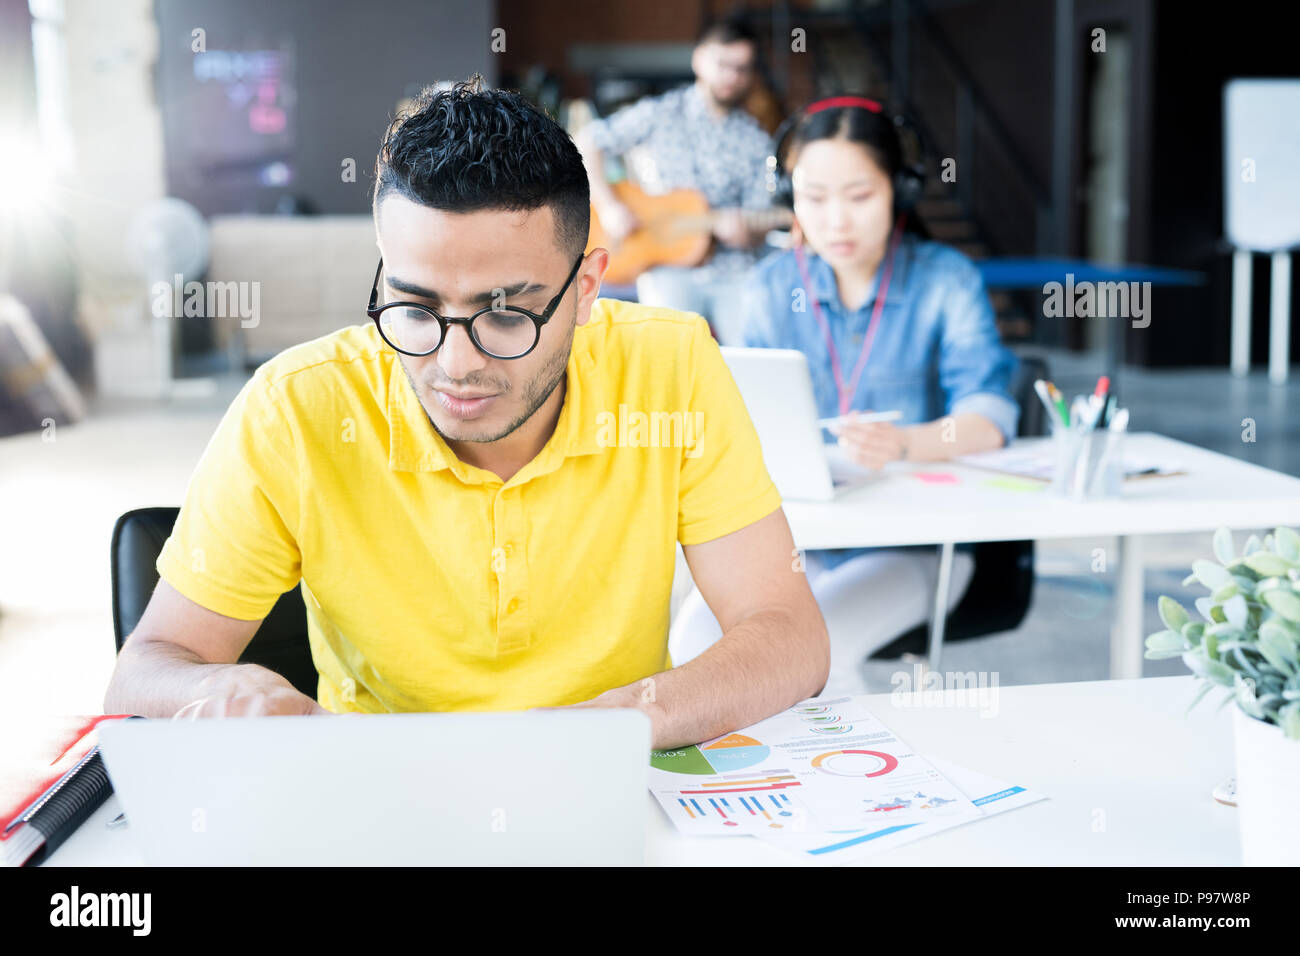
[[889, 322]]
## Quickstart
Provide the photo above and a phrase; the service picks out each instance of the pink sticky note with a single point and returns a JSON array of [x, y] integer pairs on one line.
[[936, 477]]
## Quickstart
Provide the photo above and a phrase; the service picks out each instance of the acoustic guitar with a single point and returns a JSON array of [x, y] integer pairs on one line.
[[676, 228]]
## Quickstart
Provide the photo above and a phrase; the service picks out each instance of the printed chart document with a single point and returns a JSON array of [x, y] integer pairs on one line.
[[822, 765], [844, 846]]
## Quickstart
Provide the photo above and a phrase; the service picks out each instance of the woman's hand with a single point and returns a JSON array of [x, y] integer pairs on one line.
[[872, 444]]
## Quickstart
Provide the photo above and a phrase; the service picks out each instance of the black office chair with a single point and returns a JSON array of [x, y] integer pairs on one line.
[[280, 644], [1002, 584]]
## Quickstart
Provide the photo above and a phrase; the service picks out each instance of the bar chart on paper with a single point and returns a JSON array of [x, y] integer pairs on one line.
[[733, 792], [772, 810]]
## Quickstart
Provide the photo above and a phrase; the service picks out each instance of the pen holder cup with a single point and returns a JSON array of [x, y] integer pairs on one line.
[[1088, 463]]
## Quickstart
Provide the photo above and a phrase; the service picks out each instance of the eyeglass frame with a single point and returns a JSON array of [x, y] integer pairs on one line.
[[468, 321]]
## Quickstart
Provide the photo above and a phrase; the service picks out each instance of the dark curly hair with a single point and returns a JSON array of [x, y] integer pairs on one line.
[[465, 148]]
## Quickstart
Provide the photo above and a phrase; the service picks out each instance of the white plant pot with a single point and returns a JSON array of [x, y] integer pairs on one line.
[[1268, 789]]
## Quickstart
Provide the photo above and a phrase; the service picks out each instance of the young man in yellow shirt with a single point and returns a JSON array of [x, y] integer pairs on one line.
[[482, 515]]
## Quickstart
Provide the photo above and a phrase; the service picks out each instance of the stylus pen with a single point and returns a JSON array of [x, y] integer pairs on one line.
[[865, 418]]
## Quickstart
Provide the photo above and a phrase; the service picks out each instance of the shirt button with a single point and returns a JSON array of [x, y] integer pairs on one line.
[[510, 549], [512, 606]]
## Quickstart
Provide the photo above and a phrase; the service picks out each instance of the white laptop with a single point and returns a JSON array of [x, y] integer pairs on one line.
[[561, 787], [777, 389]]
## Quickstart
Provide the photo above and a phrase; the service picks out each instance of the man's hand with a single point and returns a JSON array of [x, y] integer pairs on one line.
[[730, 227], [638, 696], [617, 221], [247, 690], [872, 444]]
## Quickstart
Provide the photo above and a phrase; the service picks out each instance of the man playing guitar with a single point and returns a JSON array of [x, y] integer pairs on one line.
[[697, 136]]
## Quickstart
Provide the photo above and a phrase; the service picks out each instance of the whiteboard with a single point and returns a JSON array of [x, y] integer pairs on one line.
[[1261, 138]]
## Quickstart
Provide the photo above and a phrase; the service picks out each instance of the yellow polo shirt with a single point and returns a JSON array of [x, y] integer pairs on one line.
[[432, 585]]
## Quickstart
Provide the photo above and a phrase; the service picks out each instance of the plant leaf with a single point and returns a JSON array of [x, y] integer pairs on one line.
[[1288, 718], [1222, 594], [1288, 543], [1284, 601], [1278, 649], [1215, 671], [1240, 568], [1236, 658], [1221, 631], [1235, 610], [1172, 613], [1223, 546], [1246, 585], [1165, 644], [1268, 565], [1210, 574]]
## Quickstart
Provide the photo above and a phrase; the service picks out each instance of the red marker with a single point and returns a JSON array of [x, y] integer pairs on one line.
[[1103, 386]]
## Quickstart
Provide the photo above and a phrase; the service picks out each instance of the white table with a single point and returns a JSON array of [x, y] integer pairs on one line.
[[899, 510], [1128, 778]]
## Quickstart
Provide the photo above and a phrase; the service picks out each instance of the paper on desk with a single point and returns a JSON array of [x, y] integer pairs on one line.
[[821, 765], [1037, 459], [844, 846]]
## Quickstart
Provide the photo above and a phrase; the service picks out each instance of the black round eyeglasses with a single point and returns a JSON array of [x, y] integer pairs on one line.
[[502, 332]]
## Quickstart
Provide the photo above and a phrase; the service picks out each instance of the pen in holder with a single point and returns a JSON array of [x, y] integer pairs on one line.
[[1089, 461]]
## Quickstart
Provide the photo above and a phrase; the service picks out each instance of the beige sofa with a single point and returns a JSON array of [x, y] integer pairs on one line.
[[314, 275]]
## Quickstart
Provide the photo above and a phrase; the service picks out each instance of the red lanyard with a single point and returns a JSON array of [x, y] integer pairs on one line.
[[846, 393]]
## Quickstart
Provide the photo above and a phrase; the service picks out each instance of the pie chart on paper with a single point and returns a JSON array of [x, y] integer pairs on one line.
[[732, 752], [855, 763]]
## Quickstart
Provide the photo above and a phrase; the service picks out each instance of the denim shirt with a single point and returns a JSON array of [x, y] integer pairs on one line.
[[936, 351]]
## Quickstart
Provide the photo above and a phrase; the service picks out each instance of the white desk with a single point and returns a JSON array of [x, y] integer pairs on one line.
[[898, 510], [1128, 779]]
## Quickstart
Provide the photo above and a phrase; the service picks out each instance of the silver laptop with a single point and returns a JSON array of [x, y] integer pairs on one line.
[[562, 787], [777, 389]]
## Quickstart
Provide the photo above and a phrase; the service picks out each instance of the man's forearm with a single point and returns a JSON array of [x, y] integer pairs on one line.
[[158, 678], [594, 160], [766, 663]]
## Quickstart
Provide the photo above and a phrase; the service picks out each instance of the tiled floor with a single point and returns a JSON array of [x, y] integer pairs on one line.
[[59, 499]]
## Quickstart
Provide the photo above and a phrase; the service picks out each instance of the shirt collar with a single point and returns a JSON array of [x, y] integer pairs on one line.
[[823, 276], [695, 107], [414, 445]]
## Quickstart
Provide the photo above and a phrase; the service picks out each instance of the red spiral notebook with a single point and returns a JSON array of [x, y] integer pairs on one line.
[[51, 779]]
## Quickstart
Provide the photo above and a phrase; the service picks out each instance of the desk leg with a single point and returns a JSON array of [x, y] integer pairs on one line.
[[1126, 638], [940, 615]]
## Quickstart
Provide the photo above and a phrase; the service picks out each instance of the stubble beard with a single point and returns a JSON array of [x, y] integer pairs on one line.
[[536, 392]]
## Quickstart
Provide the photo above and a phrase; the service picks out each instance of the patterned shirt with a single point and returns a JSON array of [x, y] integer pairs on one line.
[[675, 142]]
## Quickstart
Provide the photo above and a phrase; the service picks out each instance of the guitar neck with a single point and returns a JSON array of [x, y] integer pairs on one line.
[[754, 219]]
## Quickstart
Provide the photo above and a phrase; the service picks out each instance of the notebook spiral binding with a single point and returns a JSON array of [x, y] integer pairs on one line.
[[84, 787]]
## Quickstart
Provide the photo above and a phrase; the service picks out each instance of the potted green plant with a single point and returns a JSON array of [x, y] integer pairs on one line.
[[1248, 642]]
